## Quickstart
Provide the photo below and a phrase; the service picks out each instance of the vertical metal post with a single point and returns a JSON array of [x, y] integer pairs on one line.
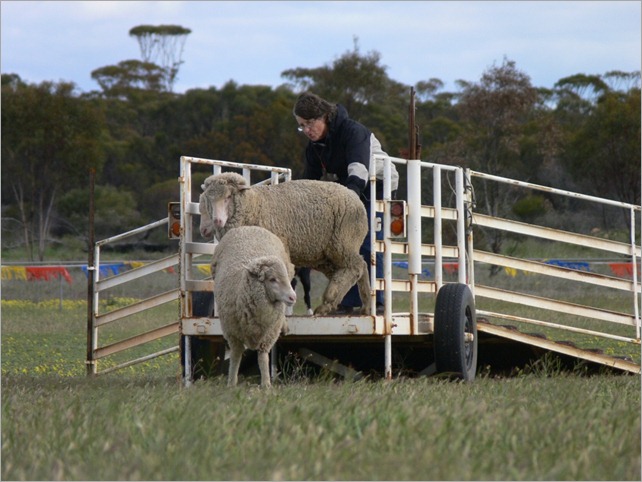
[[436, 187], [468, 188], [373, 236], [95, 273], [187, 360], [90, 278], [387, 268], [414, 237], [461, 225], [414, 216], [634, 262], [184, 267]]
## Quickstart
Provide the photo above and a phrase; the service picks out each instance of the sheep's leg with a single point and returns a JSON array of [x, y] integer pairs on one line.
[[264, 368], [338, 285], [236, 353], [364, 290]]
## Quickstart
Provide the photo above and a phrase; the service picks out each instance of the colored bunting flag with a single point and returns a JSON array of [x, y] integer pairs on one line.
[[47, 273], [14, 272]]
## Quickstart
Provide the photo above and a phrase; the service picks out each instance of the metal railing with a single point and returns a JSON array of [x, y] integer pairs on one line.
[[100, 320], [450, 207], [627, 251], [425, 201]]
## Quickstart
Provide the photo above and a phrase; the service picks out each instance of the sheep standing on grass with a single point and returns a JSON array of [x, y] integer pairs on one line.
[[321, 225], [252, 274]]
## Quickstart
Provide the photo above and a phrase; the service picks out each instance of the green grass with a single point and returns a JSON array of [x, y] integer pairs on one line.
[[39, 340], [533, 427], [142, 424]]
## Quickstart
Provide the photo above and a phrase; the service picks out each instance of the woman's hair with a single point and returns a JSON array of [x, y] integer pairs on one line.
[[311, 106]]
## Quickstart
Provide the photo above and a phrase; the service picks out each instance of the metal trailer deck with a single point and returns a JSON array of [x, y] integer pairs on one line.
[[444, 334]]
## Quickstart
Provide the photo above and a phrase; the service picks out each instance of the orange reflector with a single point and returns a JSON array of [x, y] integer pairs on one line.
[[396, 227], [176, 229]]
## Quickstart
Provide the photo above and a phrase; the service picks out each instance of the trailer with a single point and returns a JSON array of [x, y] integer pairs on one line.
[[450, 307]]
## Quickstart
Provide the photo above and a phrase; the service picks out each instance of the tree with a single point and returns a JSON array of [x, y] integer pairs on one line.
[[164, 44], [119, 81], [609, 141], [493, 114], [50, 138], [436, 119], [115, 211], [600, 120]]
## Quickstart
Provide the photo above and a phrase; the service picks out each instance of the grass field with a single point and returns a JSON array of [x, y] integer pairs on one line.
[[141, 424], [534, 427]]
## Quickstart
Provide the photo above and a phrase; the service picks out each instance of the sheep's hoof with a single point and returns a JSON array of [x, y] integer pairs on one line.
[[322, 310]]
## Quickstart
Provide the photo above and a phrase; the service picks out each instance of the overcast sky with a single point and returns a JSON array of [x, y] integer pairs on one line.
[[254, 42]]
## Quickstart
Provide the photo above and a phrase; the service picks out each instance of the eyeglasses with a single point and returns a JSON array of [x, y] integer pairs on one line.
[[307, 124]]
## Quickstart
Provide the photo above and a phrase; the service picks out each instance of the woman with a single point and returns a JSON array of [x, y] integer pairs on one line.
[[340, 150]]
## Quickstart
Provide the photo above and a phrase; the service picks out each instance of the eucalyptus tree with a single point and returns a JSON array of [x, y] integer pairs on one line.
[[493, 114], [603, 152], [127, 77], [50, 138], [163, 45]]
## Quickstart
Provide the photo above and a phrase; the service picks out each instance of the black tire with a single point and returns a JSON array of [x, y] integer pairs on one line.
[[456, 331]]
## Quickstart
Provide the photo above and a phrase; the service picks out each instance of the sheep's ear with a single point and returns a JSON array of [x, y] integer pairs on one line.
[[239, 182], [259, 267], [254, 269], [203, 187]]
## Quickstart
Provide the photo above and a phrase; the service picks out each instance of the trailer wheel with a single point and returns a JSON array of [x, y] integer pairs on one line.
[[455, 331]]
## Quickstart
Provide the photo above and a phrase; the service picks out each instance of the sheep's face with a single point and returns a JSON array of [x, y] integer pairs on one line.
[[207, 226], [214, 206], [272, 273]]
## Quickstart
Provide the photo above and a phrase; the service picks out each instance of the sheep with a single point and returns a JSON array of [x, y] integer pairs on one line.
[[321, 224], [252, 274], [207, 228]]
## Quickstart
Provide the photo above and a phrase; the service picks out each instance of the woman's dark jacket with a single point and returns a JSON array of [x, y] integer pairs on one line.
[[345, 152]]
